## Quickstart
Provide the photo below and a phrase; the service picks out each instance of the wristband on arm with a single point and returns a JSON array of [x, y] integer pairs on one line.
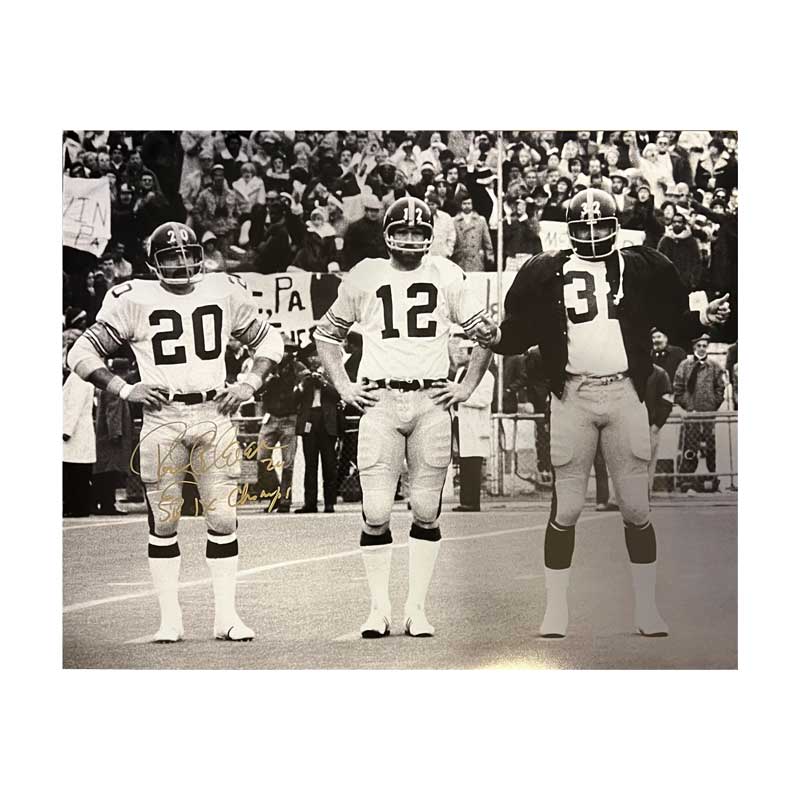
[[119, 387], [252, 380]]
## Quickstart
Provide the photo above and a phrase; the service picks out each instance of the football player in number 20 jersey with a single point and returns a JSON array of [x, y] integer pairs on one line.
[[405, 307], [178, 328]]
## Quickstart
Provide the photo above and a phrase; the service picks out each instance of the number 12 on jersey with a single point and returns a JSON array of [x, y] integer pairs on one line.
[[430, 294]]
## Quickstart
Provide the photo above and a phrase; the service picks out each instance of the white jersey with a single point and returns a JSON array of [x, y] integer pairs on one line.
[[179, 339], [405, 317], [594, 338]]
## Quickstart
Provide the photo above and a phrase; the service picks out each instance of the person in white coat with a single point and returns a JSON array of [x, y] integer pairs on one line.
[[79, 446], [473, 429]]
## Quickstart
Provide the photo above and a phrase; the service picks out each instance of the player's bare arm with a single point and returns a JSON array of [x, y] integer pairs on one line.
[[362, 396], [452, 393], [268, 354], [486, 333], [86, 359]]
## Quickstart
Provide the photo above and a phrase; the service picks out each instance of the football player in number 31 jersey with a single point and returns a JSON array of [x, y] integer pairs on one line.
[[590, 310], [178, 328], [405, 306]]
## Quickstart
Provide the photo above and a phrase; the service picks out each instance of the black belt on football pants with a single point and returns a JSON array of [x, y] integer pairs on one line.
[[407, 386], [193, 398]]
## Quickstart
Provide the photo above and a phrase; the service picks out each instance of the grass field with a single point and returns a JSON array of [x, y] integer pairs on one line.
[[302, 588]]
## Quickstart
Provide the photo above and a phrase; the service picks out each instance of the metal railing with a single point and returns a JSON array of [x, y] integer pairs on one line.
[[518, 465]]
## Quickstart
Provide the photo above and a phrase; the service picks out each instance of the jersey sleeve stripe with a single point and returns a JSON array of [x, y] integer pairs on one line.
[[325, 336], [261, 335], [338, 321], [472, 321], [112, 332], [239, 334], [90, 335], [253, 334]]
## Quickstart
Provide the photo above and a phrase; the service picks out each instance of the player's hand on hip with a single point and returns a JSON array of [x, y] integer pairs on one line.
[[450, 394], [486, 333], [360, 395], [152, 397], [719, 310], [231, 397]]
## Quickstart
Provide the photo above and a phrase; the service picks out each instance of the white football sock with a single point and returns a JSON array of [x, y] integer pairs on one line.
[[556, 616], [422, 556], [646, 615], [377, 564], [223, 579], [165, 572]]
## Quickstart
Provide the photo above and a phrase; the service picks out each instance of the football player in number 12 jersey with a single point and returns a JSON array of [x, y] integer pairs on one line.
[[405, 306], [178, 328]]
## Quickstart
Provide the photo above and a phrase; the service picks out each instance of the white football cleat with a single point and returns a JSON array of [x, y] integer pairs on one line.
[[167, 634], [417, 623], [651, 624], [556, 619], [233, 631], [377, 625]]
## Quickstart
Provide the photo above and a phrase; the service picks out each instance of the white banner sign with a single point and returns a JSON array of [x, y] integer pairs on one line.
[[86, 214], [554, 236], [286, 300]]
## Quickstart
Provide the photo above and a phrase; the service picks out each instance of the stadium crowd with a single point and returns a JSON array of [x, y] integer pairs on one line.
[[268, 201]]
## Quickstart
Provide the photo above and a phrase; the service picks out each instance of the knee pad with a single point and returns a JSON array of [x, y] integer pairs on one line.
[[570, 495], [634, 499], [163, 511], [426, 505], [376, 510], [222, 518]]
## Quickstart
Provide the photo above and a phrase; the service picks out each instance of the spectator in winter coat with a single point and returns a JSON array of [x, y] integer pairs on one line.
[[664, 354], [658, 401], [699, 386], [520, 234], [732, 368], [681, 248], [232, 155], [625, 203], [114, 441], [473, 429], [444, 229], [249, 188], [79, 446], [364, 237], [217, 207], [643, 216], [319, 246], [555, 209], [319, 423], [719, 170], [195, 144], [473, 250], [655, 169], [277, 439]]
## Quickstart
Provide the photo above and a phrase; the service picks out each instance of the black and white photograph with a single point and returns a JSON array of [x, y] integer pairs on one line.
[[427, 399]]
